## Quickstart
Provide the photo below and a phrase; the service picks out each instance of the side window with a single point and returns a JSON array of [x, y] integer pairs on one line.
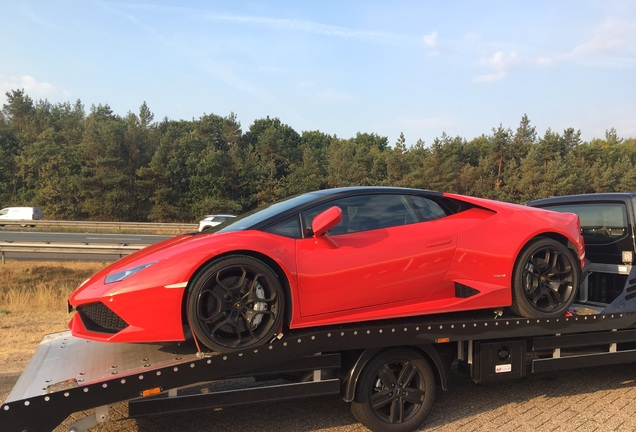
[[427, 209], [366, 212], [289, 227], [600, 223]]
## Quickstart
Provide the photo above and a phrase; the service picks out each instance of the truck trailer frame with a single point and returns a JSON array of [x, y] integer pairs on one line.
[[360, 362]]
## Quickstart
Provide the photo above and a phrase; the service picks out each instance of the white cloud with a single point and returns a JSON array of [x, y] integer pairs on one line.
[[33, 88], [430, 40], [500, 63], [305, 26], [610, 37], [611, 43], [309, 27]]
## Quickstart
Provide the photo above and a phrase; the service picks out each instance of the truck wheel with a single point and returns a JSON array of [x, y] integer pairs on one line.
[[545, 279], [395, 391], [235, 303]]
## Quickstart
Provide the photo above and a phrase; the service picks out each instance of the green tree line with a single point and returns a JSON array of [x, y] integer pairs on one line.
[[101, 166]]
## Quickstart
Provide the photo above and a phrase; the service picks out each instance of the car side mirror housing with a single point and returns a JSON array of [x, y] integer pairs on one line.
[[326, 220]]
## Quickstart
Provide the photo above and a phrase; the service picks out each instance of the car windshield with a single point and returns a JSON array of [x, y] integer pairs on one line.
[[254, 217]]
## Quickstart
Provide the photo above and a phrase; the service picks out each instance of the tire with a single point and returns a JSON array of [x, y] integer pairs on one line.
[[545, 279], [395, 391], [235, 303]]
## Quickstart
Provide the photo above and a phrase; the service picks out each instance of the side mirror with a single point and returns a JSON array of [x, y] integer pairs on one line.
[[326, 220]]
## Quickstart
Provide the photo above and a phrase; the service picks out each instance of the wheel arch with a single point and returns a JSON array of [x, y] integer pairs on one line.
[[439, 362], [569, 244], [272, 264]]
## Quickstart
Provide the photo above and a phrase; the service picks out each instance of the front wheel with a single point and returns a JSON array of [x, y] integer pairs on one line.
[[545, 279], [235, 303], [395, 391]]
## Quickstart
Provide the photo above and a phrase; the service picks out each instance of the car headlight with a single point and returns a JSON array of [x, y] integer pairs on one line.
[[123, 274]]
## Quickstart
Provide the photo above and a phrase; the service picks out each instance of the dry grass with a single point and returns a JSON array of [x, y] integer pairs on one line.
[[40, 287], [32, 304]]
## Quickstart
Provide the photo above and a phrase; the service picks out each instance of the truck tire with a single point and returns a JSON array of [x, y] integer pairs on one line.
[[545, 279], [395, 391]]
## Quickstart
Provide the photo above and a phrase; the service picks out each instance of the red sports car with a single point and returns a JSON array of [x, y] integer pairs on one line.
[[335, 256]]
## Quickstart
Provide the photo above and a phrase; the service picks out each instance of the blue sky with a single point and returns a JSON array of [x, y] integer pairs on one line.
[[418, 67]]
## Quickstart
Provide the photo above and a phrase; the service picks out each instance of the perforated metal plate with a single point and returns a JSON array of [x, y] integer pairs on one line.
[[63, 362]]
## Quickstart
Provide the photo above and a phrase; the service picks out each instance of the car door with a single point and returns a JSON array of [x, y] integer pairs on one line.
[[380, 253]]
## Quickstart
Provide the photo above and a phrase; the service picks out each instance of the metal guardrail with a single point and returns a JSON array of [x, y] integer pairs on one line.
[[77, 248], [142, 226], [86, 248]]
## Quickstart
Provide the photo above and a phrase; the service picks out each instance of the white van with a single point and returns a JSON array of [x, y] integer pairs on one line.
[[20, 213]]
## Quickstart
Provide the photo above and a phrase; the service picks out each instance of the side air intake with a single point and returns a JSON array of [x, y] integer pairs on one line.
[[463, 291]]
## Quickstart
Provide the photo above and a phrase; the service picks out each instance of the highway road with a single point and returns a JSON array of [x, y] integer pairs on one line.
[[22, 236], [89, 238]]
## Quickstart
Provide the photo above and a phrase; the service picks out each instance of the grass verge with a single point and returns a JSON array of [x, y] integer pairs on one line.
[[33, 299], [40, 286]]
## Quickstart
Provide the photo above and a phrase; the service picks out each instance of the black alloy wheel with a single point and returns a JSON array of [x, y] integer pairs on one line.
[[395, 391], [235, 303], [545, 279]]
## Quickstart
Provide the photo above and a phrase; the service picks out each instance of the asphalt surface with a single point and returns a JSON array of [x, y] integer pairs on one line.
[[596, 399]]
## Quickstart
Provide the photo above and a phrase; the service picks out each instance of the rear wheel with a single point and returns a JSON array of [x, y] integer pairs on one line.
[[545, 279], [235, 303], [395, 391]]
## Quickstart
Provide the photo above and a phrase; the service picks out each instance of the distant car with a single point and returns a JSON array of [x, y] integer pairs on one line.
[[20, 213], [332, 257], [214, 220]]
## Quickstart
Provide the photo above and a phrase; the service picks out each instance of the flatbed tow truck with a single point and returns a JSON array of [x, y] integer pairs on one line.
[[387, 369]]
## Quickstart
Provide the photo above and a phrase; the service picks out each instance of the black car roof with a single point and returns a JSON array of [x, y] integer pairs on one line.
[[390, 189], [593, 197], [307, 200]]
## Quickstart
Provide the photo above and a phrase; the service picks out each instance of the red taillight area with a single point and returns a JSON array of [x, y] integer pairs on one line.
[[581, 243]]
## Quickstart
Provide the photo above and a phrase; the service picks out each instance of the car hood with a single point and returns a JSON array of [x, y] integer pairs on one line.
[[164, 253], [175, 260]]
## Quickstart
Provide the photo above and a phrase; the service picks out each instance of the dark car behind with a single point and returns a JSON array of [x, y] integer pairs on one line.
[[608, 227]]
